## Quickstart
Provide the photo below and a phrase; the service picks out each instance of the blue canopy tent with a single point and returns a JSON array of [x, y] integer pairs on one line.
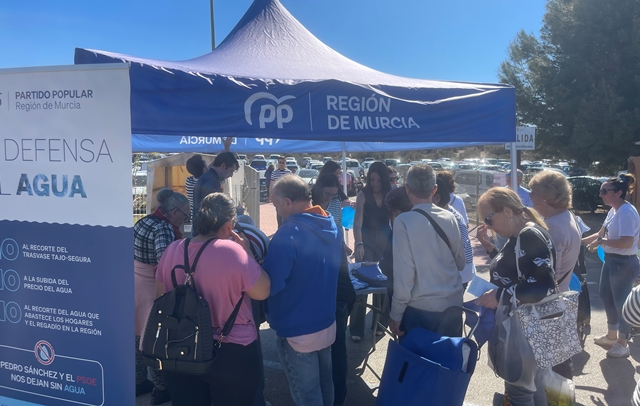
[[271, 78]]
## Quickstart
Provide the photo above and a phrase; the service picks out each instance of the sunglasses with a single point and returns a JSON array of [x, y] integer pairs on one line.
[[393, 179], [604, 191], [488, 220]]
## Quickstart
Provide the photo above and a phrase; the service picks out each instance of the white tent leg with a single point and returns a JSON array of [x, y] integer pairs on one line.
[[514, 169], [344, 184]]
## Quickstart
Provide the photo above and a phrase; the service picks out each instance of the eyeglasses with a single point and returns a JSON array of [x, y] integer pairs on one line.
[[488, 220], [330, 195], [604, 191], [393, 179], [186, 216]]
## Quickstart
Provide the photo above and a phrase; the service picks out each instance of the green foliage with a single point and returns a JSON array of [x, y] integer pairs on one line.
[[579, 82]]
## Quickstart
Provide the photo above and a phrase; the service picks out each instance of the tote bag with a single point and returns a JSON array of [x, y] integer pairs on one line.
[[550, 325]]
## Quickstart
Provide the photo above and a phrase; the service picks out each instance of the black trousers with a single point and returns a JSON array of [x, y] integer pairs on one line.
[[233, 380]]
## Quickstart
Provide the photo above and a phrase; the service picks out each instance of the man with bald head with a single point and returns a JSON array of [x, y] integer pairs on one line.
[[303, 264]]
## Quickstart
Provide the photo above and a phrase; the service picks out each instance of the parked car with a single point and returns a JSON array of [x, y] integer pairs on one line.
[[260, 157], [586, 193], [392, 162], [243, 157], [536, 169], [293, 167], [437, 166], [365, 166], [574, 171], [274, 156], [353, 164], [259, 164], [326, 159], [462, 193], [309, 175], [317, 166], [306, 160], [475, 183]]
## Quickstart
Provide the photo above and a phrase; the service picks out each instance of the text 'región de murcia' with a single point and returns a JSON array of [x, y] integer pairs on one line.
[[372, 115]]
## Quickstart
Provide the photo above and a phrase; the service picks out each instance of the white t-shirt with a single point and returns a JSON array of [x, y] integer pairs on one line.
[[458, 204], [623, 222]]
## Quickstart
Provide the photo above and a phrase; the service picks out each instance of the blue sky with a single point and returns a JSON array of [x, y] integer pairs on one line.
[[462, 40]]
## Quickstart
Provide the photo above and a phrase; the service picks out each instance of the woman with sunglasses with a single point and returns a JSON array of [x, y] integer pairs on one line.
[[504, 213], [151, 236], [619, 239]]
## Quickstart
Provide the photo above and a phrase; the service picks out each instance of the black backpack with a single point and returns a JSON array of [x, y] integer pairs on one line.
[[179, 335]]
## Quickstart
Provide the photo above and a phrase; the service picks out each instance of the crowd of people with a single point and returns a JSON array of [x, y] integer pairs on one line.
[[419, 236]]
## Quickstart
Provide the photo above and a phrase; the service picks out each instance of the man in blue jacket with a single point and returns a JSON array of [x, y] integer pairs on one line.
[[303, 264]]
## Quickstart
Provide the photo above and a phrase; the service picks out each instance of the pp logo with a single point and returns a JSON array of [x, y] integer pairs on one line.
[[281, 113]]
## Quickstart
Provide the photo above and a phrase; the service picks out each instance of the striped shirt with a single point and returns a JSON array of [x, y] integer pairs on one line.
[[190, 186], [151, 236], [469, 269], [277, 174], [631, 314], [335, 209]]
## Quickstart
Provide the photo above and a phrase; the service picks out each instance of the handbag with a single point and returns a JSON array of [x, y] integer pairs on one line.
[[509, 352], [550, 324]]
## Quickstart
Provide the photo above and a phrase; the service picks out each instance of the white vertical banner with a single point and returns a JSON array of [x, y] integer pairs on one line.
[[66, 240]]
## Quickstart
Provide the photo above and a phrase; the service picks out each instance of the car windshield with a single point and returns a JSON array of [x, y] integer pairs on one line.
[[308, 173], [258, 163], [352, 164]]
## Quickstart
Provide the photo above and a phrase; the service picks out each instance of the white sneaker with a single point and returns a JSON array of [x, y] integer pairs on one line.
[[604, 341], [618, 351]]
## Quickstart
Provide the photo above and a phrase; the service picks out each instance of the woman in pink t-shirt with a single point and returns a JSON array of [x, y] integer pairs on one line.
[[225, 270]]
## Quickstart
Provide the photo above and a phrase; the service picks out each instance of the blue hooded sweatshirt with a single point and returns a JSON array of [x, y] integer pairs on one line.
[[303, 264]]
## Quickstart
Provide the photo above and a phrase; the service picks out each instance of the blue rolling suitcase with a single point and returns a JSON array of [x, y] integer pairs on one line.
[[427, 368]]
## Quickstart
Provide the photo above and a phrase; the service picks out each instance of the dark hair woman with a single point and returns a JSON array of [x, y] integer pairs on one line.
[[340, 200], [619, 239], [151, 236], [226, 269], [371, 231]]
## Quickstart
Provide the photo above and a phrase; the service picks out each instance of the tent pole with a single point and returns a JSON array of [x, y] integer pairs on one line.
[[344, 168], [344, 182], [213, 32], [514, 169]]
